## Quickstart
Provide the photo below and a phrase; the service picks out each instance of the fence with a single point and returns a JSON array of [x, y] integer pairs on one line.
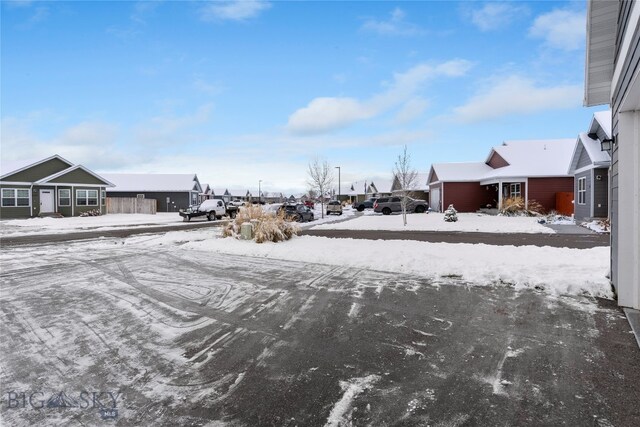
[[131, 205]]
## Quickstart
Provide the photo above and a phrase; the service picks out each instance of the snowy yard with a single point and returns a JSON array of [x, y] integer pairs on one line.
[[467, 222]]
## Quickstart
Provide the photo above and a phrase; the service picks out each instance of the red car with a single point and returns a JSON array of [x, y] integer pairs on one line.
[[309, 204]]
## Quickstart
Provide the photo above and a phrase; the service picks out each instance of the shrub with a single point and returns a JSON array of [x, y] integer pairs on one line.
[[92, 212], [515, 206], [269, 226]]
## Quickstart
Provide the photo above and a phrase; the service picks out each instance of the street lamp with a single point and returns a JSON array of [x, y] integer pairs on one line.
[[338, 167], [259, 192]]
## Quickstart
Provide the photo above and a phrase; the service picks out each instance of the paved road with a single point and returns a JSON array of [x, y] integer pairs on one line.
[[95, 234], [579, 241], [197, 338]]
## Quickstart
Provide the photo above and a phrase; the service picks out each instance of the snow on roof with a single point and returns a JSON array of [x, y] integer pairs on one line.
[[531, 158], [602, 118], [461, 172], [592, 147], [131, 182], [205, 188], [383, 185]]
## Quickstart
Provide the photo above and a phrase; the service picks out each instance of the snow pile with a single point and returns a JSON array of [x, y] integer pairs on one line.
[[598, 225], [556, 270], [467, 222]]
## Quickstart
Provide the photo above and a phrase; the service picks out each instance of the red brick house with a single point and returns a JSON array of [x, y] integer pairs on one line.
[[535, 170]]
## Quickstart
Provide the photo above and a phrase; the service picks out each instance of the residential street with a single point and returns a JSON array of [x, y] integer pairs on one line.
[[195, 338]]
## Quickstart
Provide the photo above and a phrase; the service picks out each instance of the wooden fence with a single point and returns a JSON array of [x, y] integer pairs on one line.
[[131, 205]]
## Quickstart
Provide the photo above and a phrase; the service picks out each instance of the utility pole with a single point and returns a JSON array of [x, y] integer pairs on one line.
[[339, 194]]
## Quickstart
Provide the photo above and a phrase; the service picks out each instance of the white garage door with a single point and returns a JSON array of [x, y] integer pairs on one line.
[[434, 199]]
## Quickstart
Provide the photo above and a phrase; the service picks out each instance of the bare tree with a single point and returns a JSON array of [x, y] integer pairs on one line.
[[406, 177], [320, 178]]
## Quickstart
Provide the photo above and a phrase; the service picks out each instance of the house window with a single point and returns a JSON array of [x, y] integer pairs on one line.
[[103, 197], [87, 197], [140, 196], [582, 190], [64, 197], [515, 190], [15, 197], [194, 198]]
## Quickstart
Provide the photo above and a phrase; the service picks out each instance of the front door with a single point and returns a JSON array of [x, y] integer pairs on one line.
[[46, 201]]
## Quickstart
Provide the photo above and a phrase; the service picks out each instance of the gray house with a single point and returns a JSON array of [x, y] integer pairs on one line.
[[612, 76], [171, 191], [590, 168], [51, 186]]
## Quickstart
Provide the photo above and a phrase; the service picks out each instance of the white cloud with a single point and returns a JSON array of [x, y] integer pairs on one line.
[[395, 26], [87, 143], [560, 29], [517, 95], [167, 130], [326, 114], [233, 10], [495, 16], [411, 110]]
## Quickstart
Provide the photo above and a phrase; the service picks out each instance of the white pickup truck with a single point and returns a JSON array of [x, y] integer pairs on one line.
[[212, 208]]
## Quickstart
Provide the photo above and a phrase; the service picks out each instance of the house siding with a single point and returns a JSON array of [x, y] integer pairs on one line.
[[620, 91], [497, 161], [78, 176], [40, 171], [181, 199], [582, 211], [466, 196], [12, 212], [584, 159], [601, 193], [543, 190]]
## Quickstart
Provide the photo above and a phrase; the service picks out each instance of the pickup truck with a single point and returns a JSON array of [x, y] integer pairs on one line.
[[212, 208]]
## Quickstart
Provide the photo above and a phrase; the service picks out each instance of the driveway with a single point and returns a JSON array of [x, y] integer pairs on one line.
[[170, 337]]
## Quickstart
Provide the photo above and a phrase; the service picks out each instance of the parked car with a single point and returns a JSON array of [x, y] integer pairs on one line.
[[212, 208], [298, 212], [237, 203], [367, 204], [387, 205], [334, 207], [309, 204]]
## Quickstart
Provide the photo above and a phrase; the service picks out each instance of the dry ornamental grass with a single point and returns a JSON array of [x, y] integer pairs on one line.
[[515, 206], [268, 226]]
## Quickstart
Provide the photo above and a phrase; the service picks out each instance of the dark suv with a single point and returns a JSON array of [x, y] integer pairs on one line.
[[298, 212], [367, 204], [386, 205]]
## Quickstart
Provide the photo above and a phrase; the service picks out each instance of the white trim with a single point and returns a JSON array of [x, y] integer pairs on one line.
[[71, 169], [73, 202], [70, 184], [87, 197], [58, 197], [583, 169], [15, 198], [55, 156], [624, 50], [15, 183], [584, 179], [526, 193]]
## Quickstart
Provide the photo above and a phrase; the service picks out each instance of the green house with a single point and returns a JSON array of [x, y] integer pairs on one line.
[[51, 186]]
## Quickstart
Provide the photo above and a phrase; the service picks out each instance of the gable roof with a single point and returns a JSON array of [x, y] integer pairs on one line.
[[139, 182], [8, 168], [533, 158], [601, 119], [60, 174], [382, 185], [460, 172], [592, 148]]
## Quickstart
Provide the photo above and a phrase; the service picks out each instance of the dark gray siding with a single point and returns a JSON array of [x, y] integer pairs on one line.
[[601, 193], [584, 159], [630, 66], [177, 200], [582, 212]]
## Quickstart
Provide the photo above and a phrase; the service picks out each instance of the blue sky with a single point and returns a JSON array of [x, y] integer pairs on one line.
[[244, 91]]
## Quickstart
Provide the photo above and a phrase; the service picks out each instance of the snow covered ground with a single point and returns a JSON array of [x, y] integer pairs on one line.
[[555, 270], [32, 226], [467, 222]]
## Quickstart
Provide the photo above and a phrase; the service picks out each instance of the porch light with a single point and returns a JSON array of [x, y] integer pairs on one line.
[[606, 144], [593, 135]]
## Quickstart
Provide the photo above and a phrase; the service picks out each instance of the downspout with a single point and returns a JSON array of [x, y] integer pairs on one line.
[[31, 207]]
